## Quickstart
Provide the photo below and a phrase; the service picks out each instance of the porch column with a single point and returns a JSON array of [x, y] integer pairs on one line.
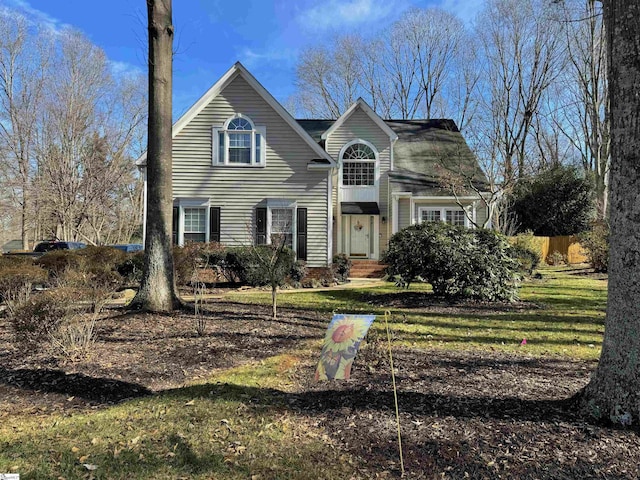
[[394, 214]]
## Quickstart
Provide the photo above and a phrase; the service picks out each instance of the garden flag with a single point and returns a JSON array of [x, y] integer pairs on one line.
[[344, 334]]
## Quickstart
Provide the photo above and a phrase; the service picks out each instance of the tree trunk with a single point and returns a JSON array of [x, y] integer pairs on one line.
[[614, 391], [158, 291]]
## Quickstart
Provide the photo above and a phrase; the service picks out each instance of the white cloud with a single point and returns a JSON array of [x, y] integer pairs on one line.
[[124, 69], [465, 10], [251, 58], [34, 16], [332, 14]]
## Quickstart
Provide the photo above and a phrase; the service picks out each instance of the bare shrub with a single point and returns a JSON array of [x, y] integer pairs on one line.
[[17, 282], [75, 336], [35, 320]]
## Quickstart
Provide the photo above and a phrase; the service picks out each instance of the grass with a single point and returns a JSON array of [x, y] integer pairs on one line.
[[233, 426], [237, 425], [560, 315]]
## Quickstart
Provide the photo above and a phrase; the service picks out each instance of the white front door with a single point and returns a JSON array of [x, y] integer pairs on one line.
[[359, 236]]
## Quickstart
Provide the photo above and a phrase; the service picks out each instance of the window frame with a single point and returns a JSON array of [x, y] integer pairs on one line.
[[258, 157], [443, 214], [205, 218], [282, 204], [182, 204], [375, 161]]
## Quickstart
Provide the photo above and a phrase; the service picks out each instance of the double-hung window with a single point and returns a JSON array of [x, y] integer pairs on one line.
[[239, 143], [282, 226], [195, 220], [452, 216], [281, 221]]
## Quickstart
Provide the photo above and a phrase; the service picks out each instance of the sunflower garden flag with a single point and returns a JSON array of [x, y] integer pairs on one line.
[[341, 344]]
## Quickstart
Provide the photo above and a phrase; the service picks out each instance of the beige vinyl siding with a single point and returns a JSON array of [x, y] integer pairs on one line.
[[481, 214], [238, 190], [404, 213], [359, 125]]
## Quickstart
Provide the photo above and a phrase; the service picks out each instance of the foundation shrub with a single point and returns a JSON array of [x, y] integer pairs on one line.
[[341, 267]]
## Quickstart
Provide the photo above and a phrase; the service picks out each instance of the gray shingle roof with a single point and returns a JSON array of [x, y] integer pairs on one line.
[[423, 148]]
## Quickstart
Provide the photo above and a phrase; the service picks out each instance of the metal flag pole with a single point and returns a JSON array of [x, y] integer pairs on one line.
[[387, 314]]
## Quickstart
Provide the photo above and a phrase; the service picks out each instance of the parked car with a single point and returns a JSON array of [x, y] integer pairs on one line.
[[129, 247], [44, 247]]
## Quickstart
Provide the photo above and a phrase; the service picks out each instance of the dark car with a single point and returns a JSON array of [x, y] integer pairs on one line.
[[129, 247], [44, 247]]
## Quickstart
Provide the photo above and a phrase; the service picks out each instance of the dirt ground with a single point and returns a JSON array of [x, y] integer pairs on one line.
[[463, 414]]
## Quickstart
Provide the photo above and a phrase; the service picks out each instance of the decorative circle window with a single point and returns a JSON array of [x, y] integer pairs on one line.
[[358, 165]]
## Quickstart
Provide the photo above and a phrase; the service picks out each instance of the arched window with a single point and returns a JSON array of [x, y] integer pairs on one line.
[[239, 142], [359, 165]]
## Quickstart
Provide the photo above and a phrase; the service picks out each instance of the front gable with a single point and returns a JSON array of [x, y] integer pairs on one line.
[[238, 92]]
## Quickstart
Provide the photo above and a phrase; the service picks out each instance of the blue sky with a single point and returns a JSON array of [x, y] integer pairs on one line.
[[265, 35]]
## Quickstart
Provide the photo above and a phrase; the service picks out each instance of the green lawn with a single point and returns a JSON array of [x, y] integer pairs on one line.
[[237, 424], [561, 314]]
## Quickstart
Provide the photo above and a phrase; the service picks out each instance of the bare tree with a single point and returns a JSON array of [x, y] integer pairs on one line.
[[22, 67], [585, 117], [328, 78], [435, 37], [522, 47], [88, 124], [614, 390], [158, 292], [401, 65]]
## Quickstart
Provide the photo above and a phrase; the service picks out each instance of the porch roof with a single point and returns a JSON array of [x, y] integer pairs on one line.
[[359, 208]]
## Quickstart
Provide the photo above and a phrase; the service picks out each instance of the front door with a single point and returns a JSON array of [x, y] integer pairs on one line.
[[359, 236]]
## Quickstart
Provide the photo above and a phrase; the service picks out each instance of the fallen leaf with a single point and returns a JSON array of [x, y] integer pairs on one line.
[[90, 466]]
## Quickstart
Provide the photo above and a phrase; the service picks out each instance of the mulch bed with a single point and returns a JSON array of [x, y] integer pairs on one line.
[[463, 414]]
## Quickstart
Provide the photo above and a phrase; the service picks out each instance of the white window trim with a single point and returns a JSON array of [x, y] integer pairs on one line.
[[192, 203], [376, 173], [281, 203], [443, 213], [256, 129]]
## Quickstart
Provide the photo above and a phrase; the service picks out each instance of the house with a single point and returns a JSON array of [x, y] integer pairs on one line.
[[245, 170]]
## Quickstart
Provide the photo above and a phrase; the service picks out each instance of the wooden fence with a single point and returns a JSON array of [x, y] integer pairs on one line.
[[567, 246]]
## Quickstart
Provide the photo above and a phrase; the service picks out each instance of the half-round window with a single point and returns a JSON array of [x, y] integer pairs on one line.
[[359, 151], [240, 124], [358, 166]]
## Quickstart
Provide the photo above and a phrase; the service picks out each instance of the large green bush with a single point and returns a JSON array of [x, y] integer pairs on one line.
[[559, 201], [596, 245], [457, 262]]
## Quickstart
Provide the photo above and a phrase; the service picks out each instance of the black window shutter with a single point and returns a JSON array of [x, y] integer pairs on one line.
[[261, 226], [214, 224], [175, 225], [301, 234]]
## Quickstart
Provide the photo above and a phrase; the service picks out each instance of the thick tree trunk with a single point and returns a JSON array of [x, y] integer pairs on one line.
[[614, 391], [158, 289]]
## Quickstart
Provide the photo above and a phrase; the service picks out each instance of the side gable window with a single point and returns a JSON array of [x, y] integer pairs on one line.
[[239, 142]]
